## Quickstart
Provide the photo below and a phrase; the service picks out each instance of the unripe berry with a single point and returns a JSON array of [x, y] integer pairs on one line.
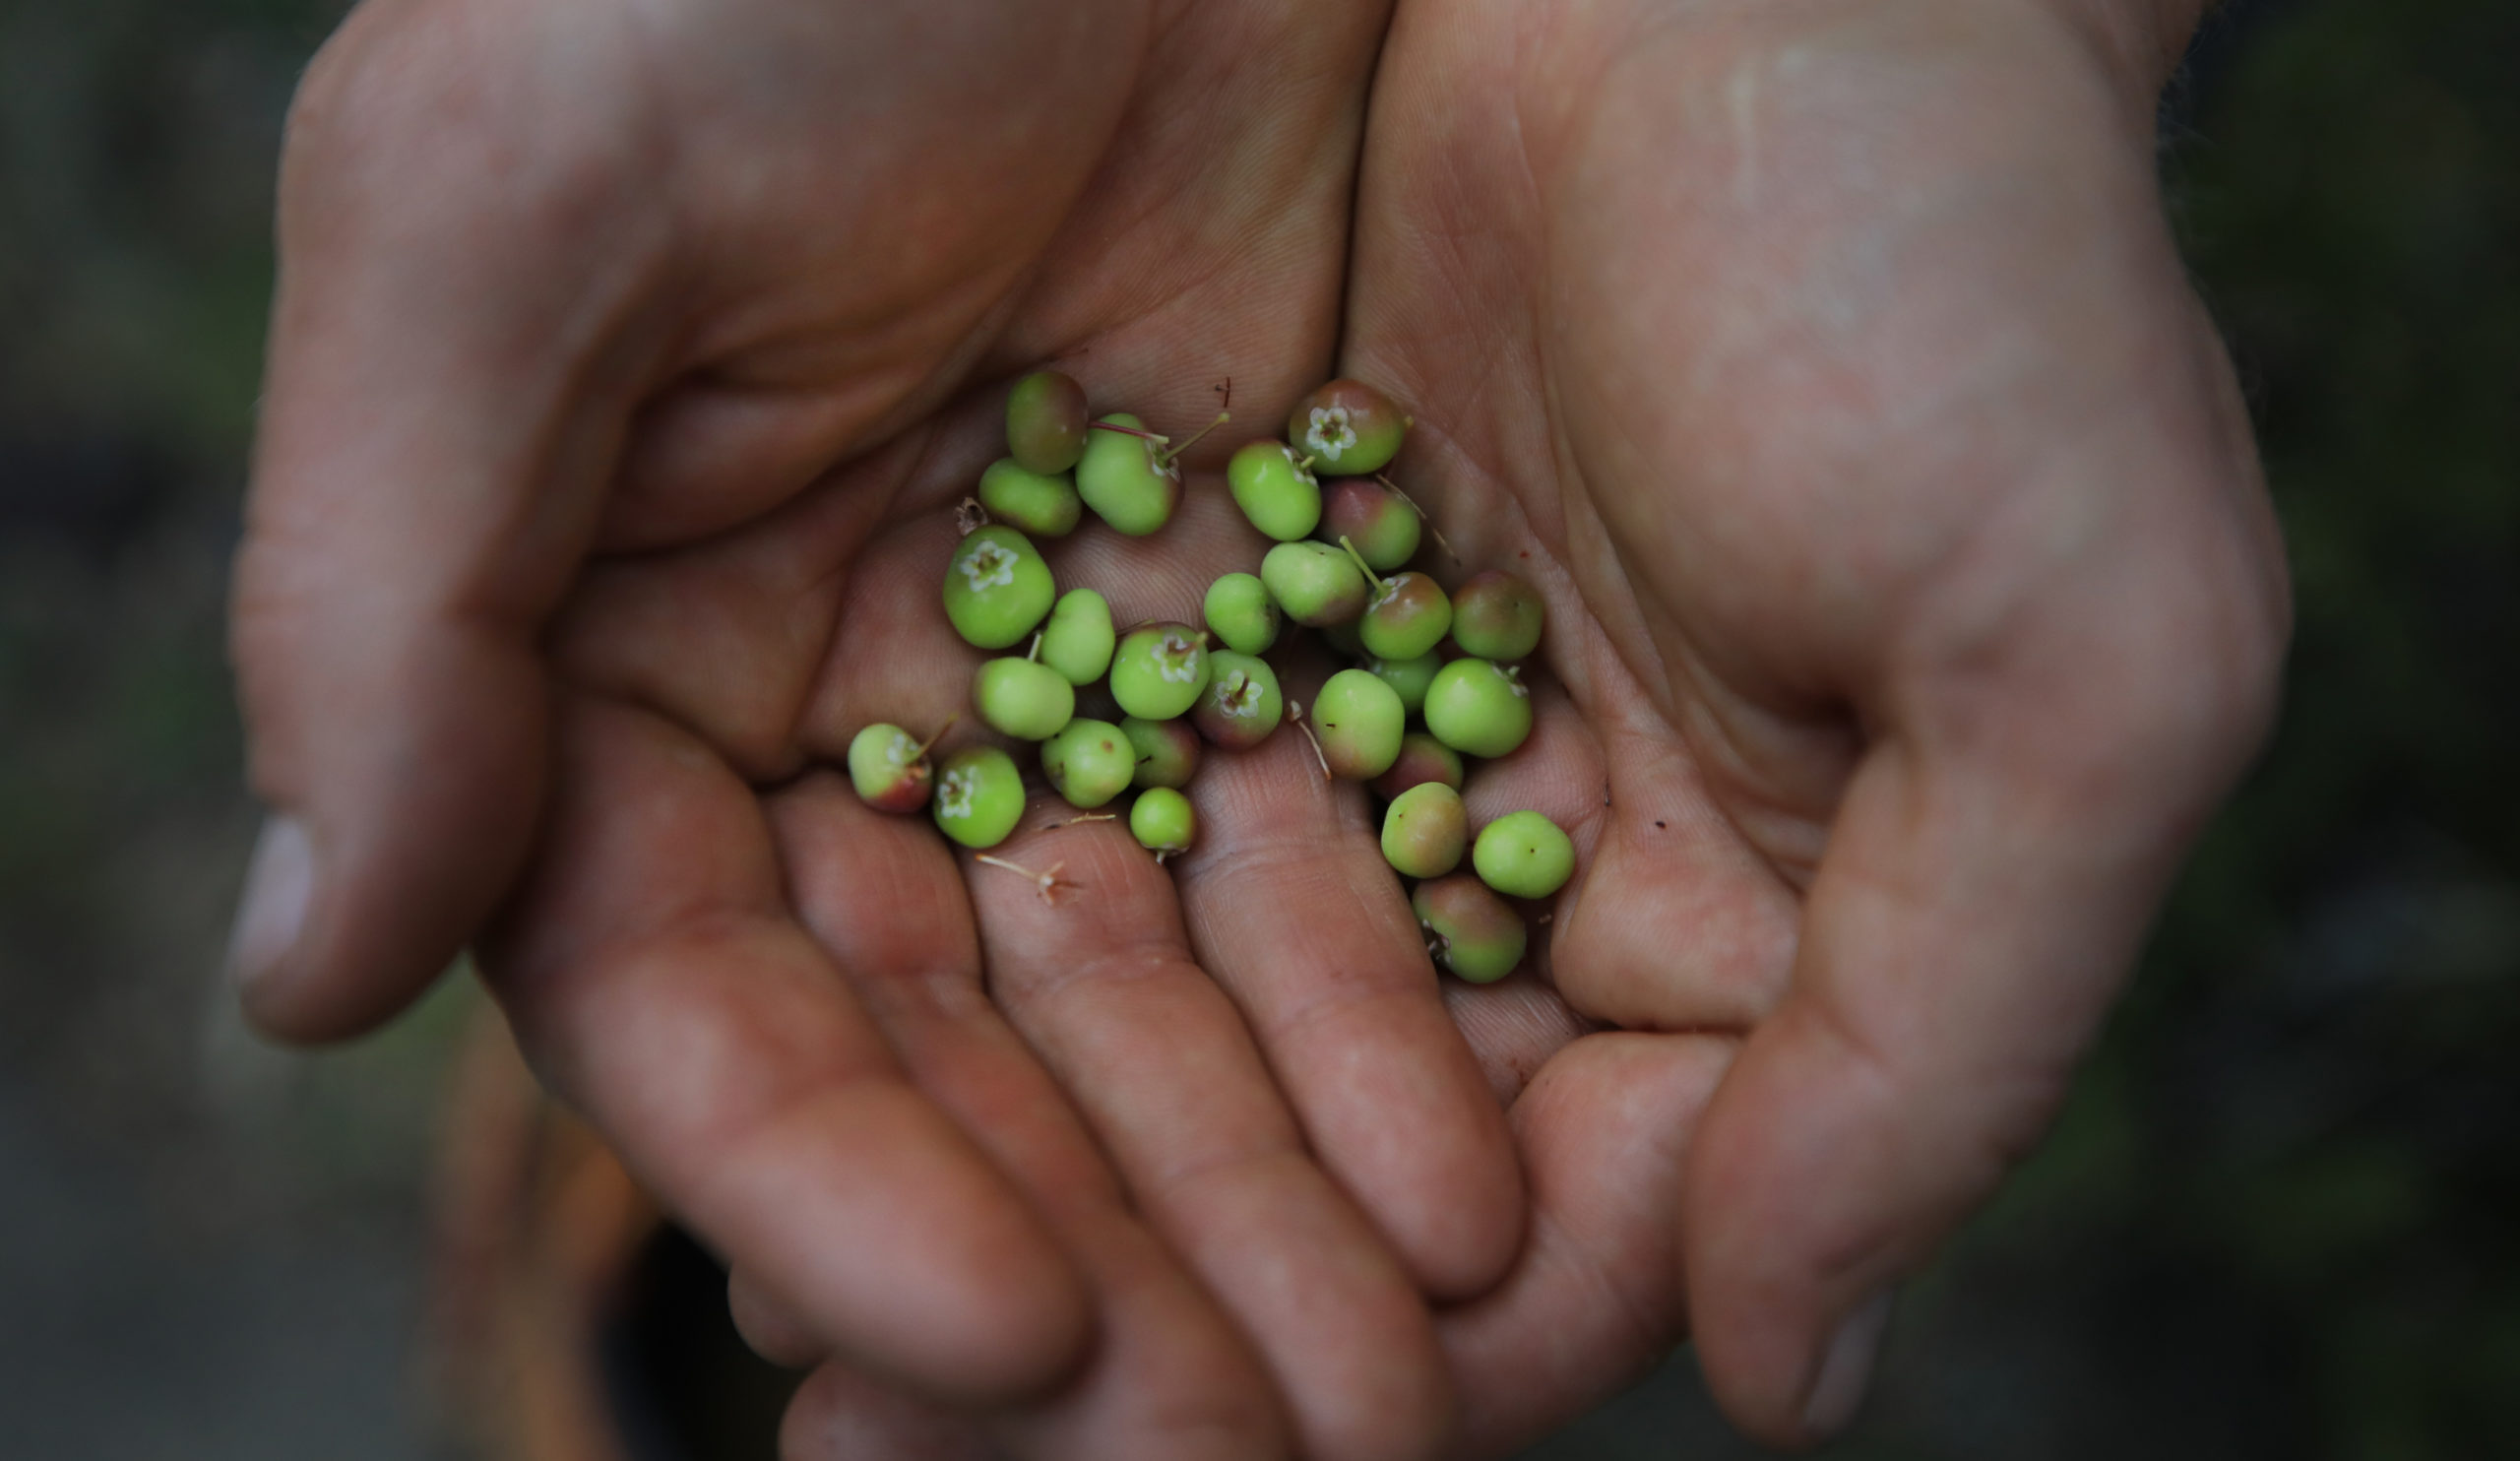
[[1384, 527], [1022, 698], [1077, 639], [1240, 612], [1422, 760], [1159, 670], [1477, 708], [1126, 478], [1041, 504], [889, 768], [1162, 821], [1406, 615], [1241, 704], [996, 588], [1497, 616], [1523, 855], [1317, 585], [1168, 751], [1348, 428], [980, 797], [1090, 762], [1274, 490], [1360, 722], [1046, 416], [1423, 831], [1469, 929]]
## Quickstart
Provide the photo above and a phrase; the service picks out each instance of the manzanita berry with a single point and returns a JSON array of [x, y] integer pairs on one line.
[[1022, 698], [889, 769], [1406, 614], [1382, 525], [1077, 639], [1127, 478], [996, 587], [1478, 707], [1423, 831], [1317, 585], [1497, 616], [1041, 504], [1274, 490], [1240, 612], [1241, 704], [1358, 722], [1523, 855], [1348, 428], [1422, 759], [1090, 762], [1469, 929], [1409, 678], [1159, 669], [980, 797], [1168, 751], [1045, 417], [1162, 821]]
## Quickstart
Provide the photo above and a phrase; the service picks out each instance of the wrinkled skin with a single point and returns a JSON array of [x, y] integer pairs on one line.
[[1825, 364]]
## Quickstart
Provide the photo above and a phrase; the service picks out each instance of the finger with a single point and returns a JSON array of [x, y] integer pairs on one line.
[[658, 983], [773, 1330], [843, 1414], [1170, 1376], [1100, 981], [439, 419]]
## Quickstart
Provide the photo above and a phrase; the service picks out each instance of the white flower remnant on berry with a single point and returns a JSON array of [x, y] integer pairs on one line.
[[1387, 592], [953, 797], [1172, 659], [988, 566], [900, 749], [1302, 472], [1328, 434], [1240, 695]]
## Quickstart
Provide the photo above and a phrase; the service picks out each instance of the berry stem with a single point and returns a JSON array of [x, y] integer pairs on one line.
[[1166, 458], [939, 735], [1156, 437], [1043, 883], [1035, 653], [1432, 530], [1294, 713], [1380, 588]]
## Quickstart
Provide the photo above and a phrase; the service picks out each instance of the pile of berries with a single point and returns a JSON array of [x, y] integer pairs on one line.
[[1348, 582]]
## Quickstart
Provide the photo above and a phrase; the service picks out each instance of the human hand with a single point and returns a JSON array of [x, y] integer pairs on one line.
[[1914, 596], [581, 302]]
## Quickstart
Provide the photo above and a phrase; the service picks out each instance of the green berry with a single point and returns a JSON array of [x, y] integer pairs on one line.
[[1022, 698], [1409, 678], [1384, 527], [1423, 831], [1497, 616], [1238, 608], [1159, 670], [1077, 639], [1470, 930], [1274, 490], [1422, 759], [1479, 709], [1360, 722], [1126, 478], [1161, 820], [1090, 762], [1523, 855], [889, 768], [980, 797], [1045, 417], [1348, 428], [1168, 751], [1241, 704], [1041, 504], [998, 588], [1314, 582], [1406, 614]]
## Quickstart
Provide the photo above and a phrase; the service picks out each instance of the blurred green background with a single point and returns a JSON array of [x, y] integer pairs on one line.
[[2280, 1215]]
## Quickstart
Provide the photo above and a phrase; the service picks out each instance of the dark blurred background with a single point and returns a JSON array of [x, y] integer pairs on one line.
[[2280, 1215]]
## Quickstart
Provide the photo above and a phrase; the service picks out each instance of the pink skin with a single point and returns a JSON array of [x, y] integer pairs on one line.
[[1825, 366]]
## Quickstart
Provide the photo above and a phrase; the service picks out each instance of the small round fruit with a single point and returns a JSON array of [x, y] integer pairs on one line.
[[1274, 490], [1238, 608], [1470, 930], [1408, 677], [1168, 751], [1022, 698], [1315, 583], [1046, 416], [1348, 428], [1161, 820], [998, 588], [1077, 642], [1159, 670], [889, 768], [1422, 760], [1384, 528], [1497, 616], [1043, 505], [980, 797], [1090, 762], [1423, 831], [1241, 704], [1406, 617], [1479, 709], [1360, 722], [1523, 855], [1125, 480]]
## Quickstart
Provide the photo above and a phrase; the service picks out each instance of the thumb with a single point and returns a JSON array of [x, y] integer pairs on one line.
[[447, 388]]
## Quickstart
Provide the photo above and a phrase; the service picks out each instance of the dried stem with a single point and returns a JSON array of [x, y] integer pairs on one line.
[[1294, 713], [1432, 530], [1043, 883], [969, 517]]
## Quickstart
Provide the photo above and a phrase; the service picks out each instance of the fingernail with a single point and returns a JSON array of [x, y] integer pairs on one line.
[[278, 884], [1846, 1371]]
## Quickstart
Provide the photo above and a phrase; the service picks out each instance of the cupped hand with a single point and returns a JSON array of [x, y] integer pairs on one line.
[[627, 363], [1914, 596]]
